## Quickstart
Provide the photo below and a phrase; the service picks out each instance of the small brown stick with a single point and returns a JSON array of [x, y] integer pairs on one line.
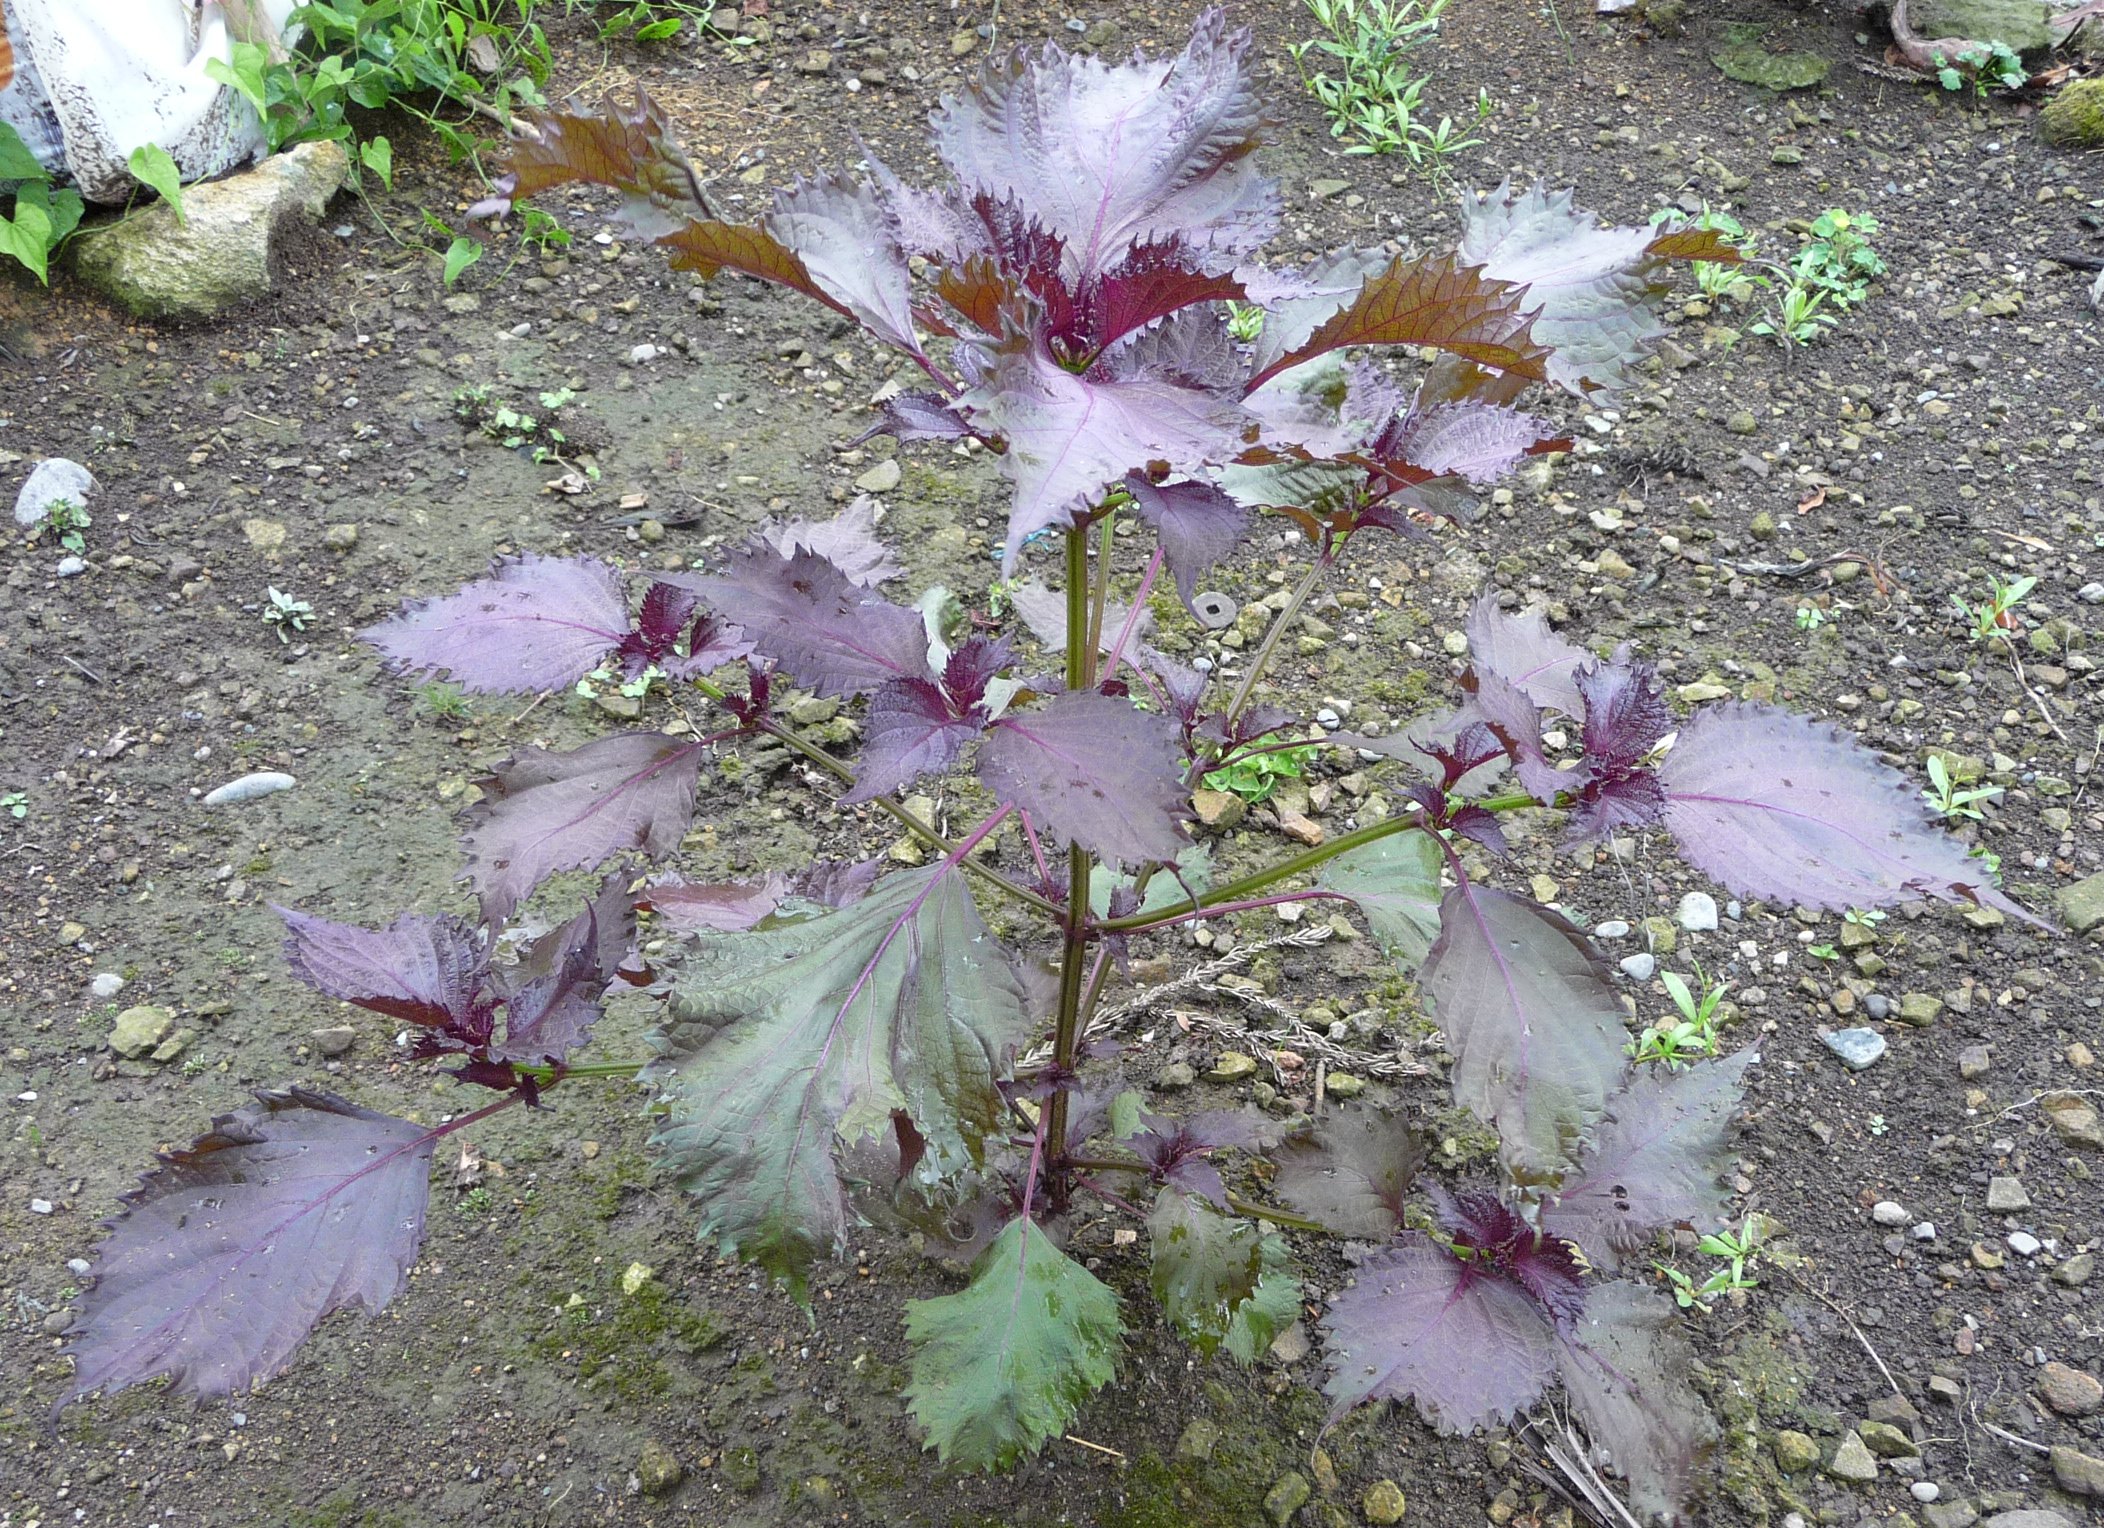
[[1098, 1447], [1823, 1299]]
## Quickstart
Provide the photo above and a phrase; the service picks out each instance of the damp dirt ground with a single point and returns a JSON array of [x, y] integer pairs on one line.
[[1947, 430]]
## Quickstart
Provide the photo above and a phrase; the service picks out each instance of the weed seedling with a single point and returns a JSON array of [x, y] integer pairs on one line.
[[443, 702], [1994, 616], [1738, 1248], [15, 804], [287, 614], [1692, 1035], [1948, 800], [1255, 776], [66, 520]]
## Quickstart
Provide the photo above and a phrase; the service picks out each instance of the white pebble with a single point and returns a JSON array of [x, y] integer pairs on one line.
[[1613, 928], [1639, 967], [1924, 1490], [106, 984], [80, 1266], [1926, 1231], [2024, 1244], [1698, 912], [40, 1206], [1886, 1212], [263, 783], [52, 479], [642, 355]]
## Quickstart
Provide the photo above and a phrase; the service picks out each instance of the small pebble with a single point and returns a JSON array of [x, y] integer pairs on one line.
[[1613, 928], [263, 783], [69, 567], [1926, 1231], [1698, 912], [1888, 1213], [40, 1206], [1858, 1048], [1639, 967], [642, 355], [2023, 1243], [79, 1267], [1924, 1490], [106, 984], [1878, 1006]]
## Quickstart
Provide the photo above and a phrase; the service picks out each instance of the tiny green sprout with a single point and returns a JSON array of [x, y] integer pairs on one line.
[[16, 804], [1877, 1124], [443, 701], [66, 520], [1674, 1042], [1810, 618], [287, 614], [1992, 616], [1948, 800], [1739, 1249], [476, 1201], [557, 397], [195, 1065], [1990, 859], [1864, 917], [1245, 321], [1823, 952], [543, 232], [1254, 777]]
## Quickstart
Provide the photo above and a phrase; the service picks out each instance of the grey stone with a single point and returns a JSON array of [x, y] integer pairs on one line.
[[49, 481], [72, 567], [1924, 1490], [2076, 1271], [1952, 1514], [1888, 1212], [334, 1040], [881, 478], [2005, 1195], [1177, 1074], [138, 1030], [1887, 1441], [1291, 1345], [106, 985], [2023, 1243], [1852, 1461], [2081, 1473], [1231, 1066], [1287, 1496], [2021, 24], [1857, 1048], [224, 251], [2074, 1120], [658, 1469], [266, 782], [1698, 912], [1640, 966], [2027, 1517], [2082, 904], [1384, 1503], [1196, 1443], [1795, 1452], [1974, 1062]]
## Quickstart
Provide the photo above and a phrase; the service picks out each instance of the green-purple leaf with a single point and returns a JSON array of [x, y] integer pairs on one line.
[[910, 731], [1625, 1366], [420, 969], [1094, 770], [542, 812], [1419, 1324], [1652, 1162], [221, 1264], [1351, 1172], [1395, 881], [1775, 805], [1218, 1278], [536, 623], [789, 1043], [1530, 1013]]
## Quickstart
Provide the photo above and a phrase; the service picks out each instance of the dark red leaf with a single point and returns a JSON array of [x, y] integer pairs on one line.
[[623, 147], [911, 731], [536, 623], [1351, 1172], [1499, 1244], [654, 639], [221, 1264], [542, 812], [1515, 721], [1198, 525], [419, 969], [724, 907], [556, 993], [1476, 441], [971, 667], [1092, 770], [1614, 804], [918, 416], [1625, 714], [1297, 303]]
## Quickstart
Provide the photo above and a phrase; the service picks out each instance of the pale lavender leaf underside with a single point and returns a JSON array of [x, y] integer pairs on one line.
[[536, 623], [420, 969]]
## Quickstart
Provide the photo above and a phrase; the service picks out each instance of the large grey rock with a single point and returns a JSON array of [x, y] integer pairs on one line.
[[2021, 24], [51, 480], [224, 251]]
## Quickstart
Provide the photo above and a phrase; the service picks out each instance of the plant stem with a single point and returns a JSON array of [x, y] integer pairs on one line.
[[590, 1069], [1278, 1217], [1075, 933], [1262, 656], [1256, 881]]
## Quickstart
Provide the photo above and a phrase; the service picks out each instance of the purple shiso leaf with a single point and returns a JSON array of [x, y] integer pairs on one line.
[[1351, 1172], [658, 627], [1092, 769], [1198, 525], [542, 812], [1775, 805], [1594, 286], [789, 1043], [1298, 302], [1191, 348], [1625, 1365], [836, 883], [1153, 281], [843, 233], [1179, 1152], [1109, 156], [972, 667], [1481, 827], [1614, 805], [1654, 1161], [918, 416], [1421, 1325], [1499, 1244], [536, 623], [848, 541], [1476, 441], [1512, 717], [1068, 436], [556, 993], [420, 969], [1442, 301], [1625, 714], [224, 1260], [1521, 650], [814, 621], [1533, 1020], [910, 731], [710, 644], [724, 907]]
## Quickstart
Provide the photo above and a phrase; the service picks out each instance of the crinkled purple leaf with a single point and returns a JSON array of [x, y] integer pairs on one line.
[[1617, 804], [972, 667], [536, 623], [816, 623], [1069, 436], [1625, 1365], [1476, 441], [654, 639], [1213, 1273], [420, 969], [1152, 282], [1459, 756], [910, 731], [848, 541], [1443, 301], [1595, 287], [1499, 1244], [542, 812], [1191, 348], [1094, 770], [836, 883], [1395, 882], [1179, 1152], [1513, 718], [710, 644], [1625, 714], [690, 907], [1197, 523], [1532, 1018], [1521, 650], [222, 1263], [1654, 1161], [785, 1043], [1109, 156], [1351, 1171], [1775, 805], [844, 235], [1419, 1324], [918, 416], [1481, 827], [556, 993], [1298, 302]]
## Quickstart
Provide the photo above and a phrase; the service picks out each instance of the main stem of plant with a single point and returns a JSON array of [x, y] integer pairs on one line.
[[1082, 629]]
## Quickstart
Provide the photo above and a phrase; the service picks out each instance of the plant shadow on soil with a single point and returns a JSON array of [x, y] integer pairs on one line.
[[515, 1380]]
